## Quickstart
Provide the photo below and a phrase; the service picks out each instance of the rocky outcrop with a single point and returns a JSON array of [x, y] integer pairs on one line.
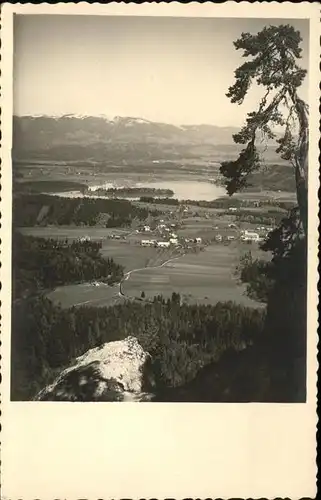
[[115, 371]]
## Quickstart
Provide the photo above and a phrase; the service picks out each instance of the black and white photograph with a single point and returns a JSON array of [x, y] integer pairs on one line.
[[159, 227], [159, 250]]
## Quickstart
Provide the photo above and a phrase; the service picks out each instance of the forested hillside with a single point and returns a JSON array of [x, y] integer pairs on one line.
[[29, 210], [181, 339]]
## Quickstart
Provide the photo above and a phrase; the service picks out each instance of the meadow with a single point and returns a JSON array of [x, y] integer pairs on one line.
[[205, 277], [85, 294]]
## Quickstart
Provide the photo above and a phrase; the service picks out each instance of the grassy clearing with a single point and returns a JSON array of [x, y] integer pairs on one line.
[[85, 294]]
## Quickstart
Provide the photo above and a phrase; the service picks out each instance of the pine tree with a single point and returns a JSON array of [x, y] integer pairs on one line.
[[272, 63]]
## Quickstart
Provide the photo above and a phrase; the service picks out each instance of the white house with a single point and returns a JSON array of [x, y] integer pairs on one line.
[[147, 243], [250, 236], [198, 240], [163, 244], [233, 209], [173, 241], [147, 229]]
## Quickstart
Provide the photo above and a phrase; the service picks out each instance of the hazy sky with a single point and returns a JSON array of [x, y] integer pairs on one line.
[[175, 70]]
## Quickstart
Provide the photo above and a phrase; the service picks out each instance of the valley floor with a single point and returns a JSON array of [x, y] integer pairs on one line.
[[204, 277]]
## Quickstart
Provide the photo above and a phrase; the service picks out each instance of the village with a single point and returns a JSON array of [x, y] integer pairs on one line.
[[189, 229]]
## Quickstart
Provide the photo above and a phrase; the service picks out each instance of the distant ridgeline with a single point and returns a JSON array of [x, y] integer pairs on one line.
[[71, 138], [29, 210]]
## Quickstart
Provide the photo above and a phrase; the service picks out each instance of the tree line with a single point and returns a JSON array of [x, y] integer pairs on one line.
[[222, 203], [134, 191], [159, 201]]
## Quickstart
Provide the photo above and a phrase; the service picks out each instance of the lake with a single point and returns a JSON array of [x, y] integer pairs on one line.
[[183, 190]]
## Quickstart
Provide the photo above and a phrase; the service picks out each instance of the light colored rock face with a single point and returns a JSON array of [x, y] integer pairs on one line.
[[116, 371]]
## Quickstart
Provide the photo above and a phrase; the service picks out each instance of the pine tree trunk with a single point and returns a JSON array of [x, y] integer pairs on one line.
[[301, 160]]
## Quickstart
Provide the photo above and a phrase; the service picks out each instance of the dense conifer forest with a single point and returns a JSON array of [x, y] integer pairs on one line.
[[42, 209], [181, 339]]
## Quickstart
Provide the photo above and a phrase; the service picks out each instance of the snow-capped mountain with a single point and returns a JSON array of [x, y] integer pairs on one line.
[[73, 136], [70, 128]]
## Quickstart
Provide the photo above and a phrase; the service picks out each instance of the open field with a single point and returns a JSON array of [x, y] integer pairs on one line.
[[206, 277], [94, 173], [279, 195], [203, 277], [85, 294], [71, 232], [135, 256]]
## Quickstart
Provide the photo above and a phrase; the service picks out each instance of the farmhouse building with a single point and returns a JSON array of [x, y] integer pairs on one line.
[[250, 236], [147, 243], [163, 244]]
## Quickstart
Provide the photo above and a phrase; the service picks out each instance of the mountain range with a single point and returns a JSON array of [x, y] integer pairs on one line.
[[71, 137], [50, 130]]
